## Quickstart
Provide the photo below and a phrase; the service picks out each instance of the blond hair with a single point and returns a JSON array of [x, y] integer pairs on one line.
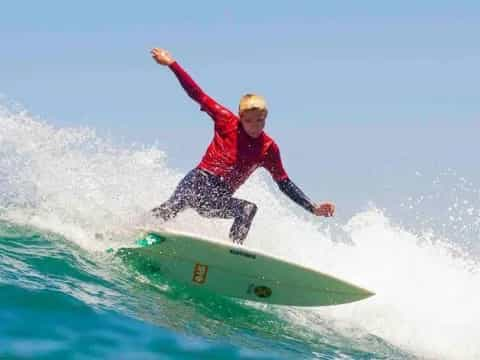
[[252, 101]]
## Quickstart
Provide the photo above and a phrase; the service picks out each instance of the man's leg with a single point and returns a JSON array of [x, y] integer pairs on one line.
[[241, 211], [244, 213], [180, 199], [170, 208]]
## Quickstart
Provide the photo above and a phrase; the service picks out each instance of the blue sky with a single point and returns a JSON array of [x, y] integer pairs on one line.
[[362, 94]]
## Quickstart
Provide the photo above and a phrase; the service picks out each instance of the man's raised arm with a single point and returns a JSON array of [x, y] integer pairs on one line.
[[207, 104]]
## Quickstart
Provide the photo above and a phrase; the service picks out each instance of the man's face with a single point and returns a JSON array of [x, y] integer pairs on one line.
[[253, 121]]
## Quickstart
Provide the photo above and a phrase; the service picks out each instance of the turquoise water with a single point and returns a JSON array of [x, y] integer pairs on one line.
[[58, 302], [62, 295]]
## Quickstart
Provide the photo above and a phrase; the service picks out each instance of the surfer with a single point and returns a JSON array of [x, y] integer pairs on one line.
[[239, 146]]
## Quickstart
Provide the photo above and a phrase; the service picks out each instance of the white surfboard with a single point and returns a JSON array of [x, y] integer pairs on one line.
[[237, 271]]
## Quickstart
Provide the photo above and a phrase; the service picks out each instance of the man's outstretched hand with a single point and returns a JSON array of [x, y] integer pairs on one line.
[[326, 209], [162, 56]]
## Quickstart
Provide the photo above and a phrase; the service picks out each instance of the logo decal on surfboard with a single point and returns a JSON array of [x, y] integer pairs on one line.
[[200, 273], [260, 291]]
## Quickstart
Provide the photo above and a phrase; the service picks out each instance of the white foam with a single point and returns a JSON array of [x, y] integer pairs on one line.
[[427, 291]]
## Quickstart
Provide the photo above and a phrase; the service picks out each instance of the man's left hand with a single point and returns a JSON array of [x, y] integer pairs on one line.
[[326, 209]]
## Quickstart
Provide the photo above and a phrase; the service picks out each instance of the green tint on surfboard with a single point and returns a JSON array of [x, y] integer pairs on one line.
[[237, 271]]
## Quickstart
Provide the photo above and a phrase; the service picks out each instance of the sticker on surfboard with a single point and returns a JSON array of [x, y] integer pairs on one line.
[[260, 291], [200, 272]]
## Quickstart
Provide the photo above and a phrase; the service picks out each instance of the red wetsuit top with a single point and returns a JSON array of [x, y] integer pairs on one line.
[[232, 155]]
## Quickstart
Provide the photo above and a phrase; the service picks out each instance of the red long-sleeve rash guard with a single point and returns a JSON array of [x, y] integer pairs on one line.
[[232, 154]]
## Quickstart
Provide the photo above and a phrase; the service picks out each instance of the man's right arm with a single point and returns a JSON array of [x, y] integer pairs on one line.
[[190, 86]]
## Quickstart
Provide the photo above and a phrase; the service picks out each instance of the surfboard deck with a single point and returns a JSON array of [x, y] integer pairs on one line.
[[236, 271]]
